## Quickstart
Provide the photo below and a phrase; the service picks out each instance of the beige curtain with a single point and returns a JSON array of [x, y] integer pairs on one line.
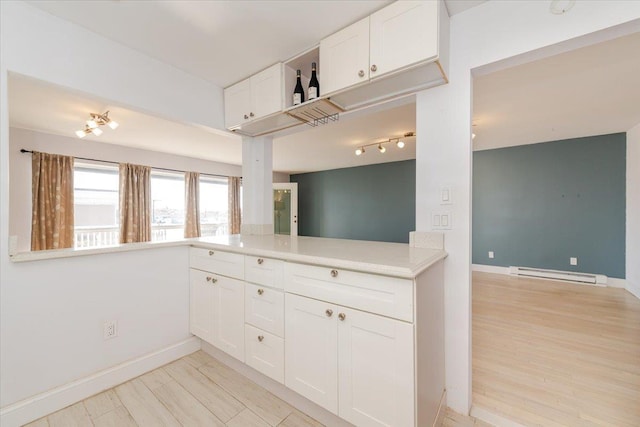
[[52, 201], [135, 203], [234, 205], [192, 204]]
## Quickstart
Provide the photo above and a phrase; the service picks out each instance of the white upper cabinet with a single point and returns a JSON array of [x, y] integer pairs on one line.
[[402, 34], [344, 57], [254, 98]]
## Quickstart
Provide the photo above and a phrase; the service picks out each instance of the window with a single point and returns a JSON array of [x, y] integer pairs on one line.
[[214, 206], [167, 205], [96, 205]]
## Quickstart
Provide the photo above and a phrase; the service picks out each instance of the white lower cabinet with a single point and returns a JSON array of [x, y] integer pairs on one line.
[[264, 352], [217, 311], [355, 364]]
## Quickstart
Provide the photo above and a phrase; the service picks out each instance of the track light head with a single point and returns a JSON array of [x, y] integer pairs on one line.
[[381, 148]]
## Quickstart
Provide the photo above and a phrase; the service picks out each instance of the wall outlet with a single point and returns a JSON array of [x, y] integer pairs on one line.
[[491, 254], [110, 329], [573, 261]]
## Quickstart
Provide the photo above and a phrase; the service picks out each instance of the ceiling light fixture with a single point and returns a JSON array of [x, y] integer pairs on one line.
[[399, 143], [560, 7], [93, 124]]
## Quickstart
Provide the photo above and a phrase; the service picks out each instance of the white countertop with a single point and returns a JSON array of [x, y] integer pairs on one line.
[[392, 259]]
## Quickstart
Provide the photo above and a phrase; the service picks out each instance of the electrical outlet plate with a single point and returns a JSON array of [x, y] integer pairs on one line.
[[573, 261], [110, 329], [491, 254]]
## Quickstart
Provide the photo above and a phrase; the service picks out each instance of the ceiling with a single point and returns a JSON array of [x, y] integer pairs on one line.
[[220, 41], [594, 90]]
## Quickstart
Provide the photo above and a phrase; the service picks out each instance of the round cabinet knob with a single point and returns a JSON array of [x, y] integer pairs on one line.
[[334, 273], [361, 73], [211, 253], [260, 260], [260, 291], [209, 278], [260, 338], [329, 312], [251, 114], [374, 68], [342, 316], [246, 117]]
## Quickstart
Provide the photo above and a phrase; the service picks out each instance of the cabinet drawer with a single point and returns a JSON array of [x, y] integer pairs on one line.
[[264, 352], [219, 262], [264, 308], [264, 271], [388, 296]]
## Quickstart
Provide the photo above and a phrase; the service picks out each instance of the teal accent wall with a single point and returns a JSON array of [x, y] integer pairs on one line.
[[538, 205], [374, 202]]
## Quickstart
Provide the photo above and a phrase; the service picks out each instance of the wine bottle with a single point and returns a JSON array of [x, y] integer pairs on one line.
[[314, 85], [298, 92]]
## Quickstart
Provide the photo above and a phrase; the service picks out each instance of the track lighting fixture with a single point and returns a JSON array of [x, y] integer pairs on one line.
[[398, 141], [93, 124]]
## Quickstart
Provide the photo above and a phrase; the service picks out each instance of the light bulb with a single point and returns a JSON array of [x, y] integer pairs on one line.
[[473, 136], [96, 131], [400, 144], [113, 124], [381, 148], [92, 124], [359, 151], [81, 133]]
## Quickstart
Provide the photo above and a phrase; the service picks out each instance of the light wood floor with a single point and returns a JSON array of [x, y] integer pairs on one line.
[[196, 390], [550, 353]]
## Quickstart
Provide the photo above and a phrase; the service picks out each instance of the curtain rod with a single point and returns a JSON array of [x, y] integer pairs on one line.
[[22, 150]]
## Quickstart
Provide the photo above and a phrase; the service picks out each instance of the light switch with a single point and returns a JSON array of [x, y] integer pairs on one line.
[[444, 220], [445, 195], [436, 220]]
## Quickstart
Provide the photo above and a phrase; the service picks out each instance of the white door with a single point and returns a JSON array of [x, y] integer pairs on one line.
[[403, 33], [228, 331], [311, 352], [344, 57], [201, 297], [375, 367], [237, 104], [285, 208], [266, 92]]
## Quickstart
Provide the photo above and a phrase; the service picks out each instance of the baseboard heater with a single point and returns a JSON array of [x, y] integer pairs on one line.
[[568, 276]]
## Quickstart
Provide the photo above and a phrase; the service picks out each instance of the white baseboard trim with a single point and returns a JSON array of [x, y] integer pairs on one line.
[[442, 410], [633, 288], [42, 404], [490, 269], [491, 418], [280, 390], [616, 283]]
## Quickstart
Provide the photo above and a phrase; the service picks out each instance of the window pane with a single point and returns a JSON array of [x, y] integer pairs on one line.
[[214, 207], [167, 206], [96, 205]]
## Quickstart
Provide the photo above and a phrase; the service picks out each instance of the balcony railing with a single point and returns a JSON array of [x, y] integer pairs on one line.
[[94, 237]]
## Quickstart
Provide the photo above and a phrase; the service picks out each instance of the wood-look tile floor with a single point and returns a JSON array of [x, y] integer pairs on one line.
[[549, 353], [196, 390]]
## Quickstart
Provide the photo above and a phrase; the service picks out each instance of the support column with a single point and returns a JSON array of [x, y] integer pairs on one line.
[[257, 185]]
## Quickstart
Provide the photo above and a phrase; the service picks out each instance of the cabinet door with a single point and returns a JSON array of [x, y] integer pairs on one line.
[[201, 297], [228, 330], [375, 366], [237, 104], [403, 33], [311, 353], [266, 92], [344, 57]]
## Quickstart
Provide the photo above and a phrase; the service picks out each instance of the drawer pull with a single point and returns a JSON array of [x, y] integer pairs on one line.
[[211, 279], [260, 260], [210, 253], [334, 273], [361, 73], [260, 291], [374, 68], [260, 338], [329, 312], [342, 316]]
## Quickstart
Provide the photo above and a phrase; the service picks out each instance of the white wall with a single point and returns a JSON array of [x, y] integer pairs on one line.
[[633, 211], [493, 31], [20, 169], [51, 312]]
